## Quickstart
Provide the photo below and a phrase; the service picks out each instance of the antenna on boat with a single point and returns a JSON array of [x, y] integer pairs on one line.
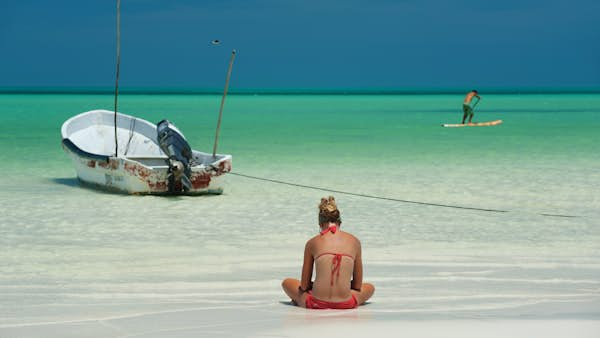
[[117, 72], [223, 102]]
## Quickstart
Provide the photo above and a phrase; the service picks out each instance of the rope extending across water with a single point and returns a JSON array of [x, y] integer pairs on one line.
[[383, 198]]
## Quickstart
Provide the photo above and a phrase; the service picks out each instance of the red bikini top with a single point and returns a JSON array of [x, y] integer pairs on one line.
[[337, 257]]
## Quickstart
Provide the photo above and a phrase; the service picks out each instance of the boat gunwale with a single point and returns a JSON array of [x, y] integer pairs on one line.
[[73, 146]]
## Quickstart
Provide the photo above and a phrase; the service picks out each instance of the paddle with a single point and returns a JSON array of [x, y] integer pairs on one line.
[[476, 103]]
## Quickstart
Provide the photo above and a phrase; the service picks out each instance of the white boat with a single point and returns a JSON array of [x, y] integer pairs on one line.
[[151, 159]]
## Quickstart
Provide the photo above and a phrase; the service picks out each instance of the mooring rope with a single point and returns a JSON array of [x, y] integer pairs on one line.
[[384, 198]]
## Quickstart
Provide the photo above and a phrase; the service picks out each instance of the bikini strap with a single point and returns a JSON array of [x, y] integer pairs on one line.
[[335, 267], [336, 263], [331, 229], [334, 253]]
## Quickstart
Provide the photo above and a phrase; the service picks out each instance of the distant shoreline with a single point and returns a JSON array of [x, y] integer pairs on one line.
[[292, 91]]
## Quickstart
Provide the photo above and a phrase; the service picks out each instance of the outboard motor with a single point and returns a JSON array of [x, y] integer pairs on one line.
[[173, 144]]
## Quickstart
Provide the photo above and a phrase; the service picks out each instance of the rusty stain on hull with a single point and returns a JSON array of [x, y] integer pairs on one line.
[[137, 170], [200, 180], [111, 164], [152, 179], [158, 186], [224, 167]]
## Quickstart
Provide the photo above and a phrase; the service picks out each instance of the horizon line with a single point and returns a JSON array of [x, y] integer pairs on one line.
[[288, 91]]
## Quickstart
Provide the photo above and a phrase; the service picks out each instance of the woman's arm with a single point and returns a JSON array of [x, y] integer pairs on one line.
[[307, 268], [357, 274]]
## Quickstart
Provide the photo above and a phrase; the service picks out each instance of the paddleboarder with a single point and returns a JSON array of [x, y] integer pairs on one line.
[[467, 108]]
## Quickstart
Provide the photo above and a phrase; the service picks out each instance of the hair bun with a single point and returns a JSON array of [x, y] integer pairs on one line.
[[328, 204], [328, 210]]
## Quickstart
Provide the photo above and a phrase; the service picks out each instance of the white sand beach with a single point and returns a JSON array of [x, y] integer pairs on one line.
[[288, 322]]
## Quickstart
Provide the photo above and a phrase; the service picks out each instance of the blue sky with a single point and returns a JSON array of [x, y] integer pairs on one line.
[[322, 44]]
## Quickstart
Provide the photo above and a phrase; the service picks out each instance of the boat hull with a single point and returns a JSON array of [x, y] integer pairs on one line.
[[141, 174]]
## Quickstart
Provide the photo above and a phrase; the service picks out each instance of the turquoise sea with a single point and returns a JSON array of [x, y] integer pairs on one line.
[[490, 222]]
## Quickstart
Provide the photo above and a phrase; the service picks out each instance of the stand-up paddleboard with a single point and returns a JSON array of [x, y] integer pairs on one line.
[[474, 124]]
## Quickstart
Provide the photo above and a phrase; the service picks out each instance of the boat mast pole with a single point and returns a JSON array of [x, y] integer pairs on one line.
[[117, 71], [223, 103]]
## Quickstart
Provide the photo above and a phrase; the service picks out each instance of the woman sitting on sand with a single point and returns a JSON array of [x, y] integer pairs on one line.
[[337, 258]]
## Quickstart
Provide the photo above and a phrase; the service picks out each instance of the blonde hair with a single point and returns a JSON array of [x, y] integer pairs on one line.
[[328, 211]]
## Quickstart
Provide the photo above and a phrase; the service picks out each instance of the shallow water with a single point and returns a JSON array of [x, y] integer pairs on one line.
[[467, 222]]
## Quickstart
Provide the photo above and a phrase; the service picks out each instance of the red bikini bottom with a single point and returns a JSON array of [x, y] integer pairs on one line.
[[314, 303]]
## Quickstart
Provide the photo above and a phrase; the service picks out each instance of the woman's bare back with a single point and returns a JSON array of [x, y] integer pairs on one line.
[[335, 253]]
